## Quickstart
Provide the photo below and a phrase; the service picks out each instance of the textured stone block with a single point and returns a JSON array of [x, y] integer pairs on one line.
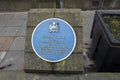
[[72, 16], [28, 46], [34, 64], [79, 40], [73, 64], [35, 16]]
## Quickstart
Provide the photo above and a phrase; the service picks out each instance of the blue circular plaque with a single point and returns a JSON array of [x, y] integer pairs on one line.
[[53, 40]]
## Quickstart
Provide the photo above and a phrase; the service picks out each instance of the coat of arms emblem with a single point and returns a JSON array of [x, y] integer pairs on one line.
[[53, 27]]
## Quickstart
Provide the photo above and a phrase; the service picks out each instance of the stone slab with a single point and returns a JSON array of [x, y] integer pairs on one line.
[[32, 76], [32, 63], [28, 46], [11, 75], [35, 16], [102, 76], [73, 64], [14, 19], [18, 43], [5, 43], [79, 40], [12, 31], [15, 59], [69, 65], [72, 16]]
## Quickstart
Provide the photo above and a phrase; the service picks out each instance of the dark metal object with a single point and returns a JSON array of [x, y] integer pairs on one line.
[[106, 48]]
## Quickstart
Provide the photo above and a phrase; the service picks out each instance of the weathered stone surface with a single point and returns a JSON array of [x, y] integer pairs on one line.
[[15, 5], [46, 4], [75, 3], [9, 31], [18, 44], [11, 75], [15, 59], [102, 76], [72, 16], [69, 65], [14, 19], [79, 40], [35, 16], [73, 64], [32, 76], [33, 63], [28, 46], [5, 43]]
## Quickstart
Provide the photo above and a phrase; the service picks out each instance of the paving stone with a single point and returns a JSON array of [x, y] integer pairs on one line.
[[32, 63], [12, 31], [20, 15], [16, 22], [11, 75], [35, 16], [30, 76], [13, 19], [18, 44], [72, 16], [2, 55], [73, 64], [15, 59], [5, 43], [6, 16], [102, 76]]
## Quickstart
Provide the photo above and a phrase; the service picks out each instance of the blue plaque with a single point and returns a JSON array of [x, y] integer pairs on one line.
[[53, 40]]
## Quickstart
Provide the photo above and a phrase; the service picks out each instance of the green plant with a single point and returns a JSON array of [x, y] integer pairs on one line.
[[113, 23]]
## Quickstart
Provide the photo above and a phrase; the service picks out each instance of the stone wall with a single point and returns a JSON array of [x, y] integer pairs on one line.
[[16, 5]]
